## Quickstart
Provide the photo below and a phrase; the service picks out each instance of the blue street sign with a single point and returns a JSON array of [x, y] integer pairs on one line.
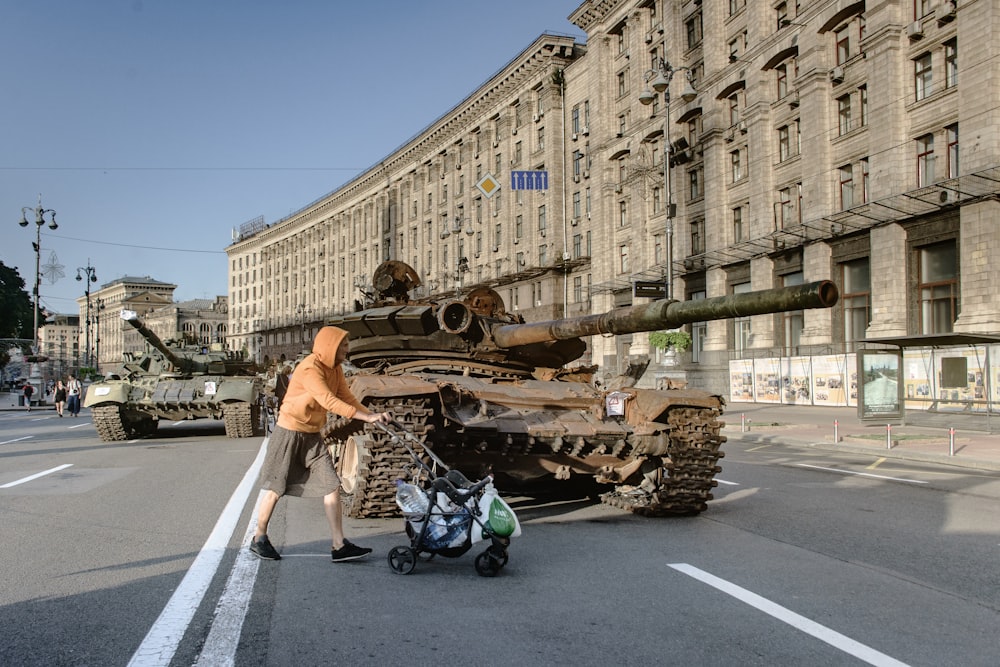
[[529, 180]]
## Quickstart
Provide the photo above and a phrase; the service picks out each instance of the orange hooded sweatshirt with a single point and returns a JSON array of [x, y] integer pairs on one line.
[[317, 387]]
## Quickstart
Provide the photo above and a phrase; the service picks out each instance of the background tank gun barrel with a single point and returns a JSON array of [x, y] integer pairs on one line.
[[132, 318], [669, 314]]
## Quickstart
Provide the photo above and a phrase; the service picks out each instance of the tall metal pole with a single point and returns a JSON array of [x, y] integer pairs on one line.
[[90, 276], [668, 196], [39, 212]]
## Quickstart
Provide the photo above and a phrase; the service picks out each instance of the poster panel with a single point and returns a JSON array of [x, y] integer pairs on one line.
[[880, 394], [852, 379], [767, 380], [741, 380], [829, 378], [795, 381], [994, 381], [918, 378], [960, 376]]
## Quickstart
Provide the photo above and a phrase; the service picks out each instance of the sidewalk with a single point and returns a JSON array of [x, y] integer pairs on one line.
[[809, 426]]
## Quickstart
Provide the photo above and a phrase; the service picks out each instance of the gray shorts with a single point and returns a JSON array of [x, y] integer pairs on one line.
[[298, 464]]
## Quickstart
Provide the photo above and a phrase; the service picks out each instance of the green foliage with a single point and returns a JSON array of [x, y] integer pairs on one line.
[[16, 318], [679, 340]]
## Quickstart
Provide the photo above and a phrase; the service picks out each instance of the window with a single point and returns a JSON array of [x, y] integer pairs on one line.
[[699, 332], [518, 227], [697, 236], [622, 214], [540, 138], [623, 83], [843, 41], [781, 79], [781, 11], [693, 30], [846, 186], [694, 183], [736, 5], [577, 246], [737, 224], [938, 287], [863, 103], [951, 63], [925, 160], [577, 205], [855, 302], [741, 325], [541, 219], [734, 108], [793, 320], [844, 114], [951, 134], [623, 258], [575, 122], [658, 254], [864, 179], [736, 163], [922, 79], [785, 208], [784, 143], [578, 289], [922, 8]]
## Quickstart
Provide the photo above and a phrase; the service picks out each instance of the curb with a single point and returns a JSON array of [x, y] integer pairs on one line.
[[895, 453]]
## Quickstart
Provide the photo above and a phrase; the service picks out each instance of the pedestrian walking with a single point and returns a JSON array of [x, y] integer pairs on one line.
[[28, 390], [74, 389], [298, 463], [59, 398]]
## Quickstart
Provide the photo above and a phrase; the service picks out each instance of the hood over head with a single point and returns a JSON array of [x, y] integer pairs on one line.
[[326, 343]]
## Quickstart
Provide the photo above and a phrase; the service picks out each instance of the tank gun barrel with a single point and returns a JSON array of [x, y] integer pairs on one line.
[[132, 318], [670, 314]]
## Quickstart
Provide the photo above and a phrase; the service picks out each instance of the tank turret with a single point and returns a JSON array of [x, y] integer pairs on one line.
[[491, 393]]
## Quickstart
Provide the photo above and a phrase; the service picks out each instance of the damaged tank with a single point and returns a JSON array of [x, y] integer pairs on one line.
[[490, 393], [176, 382]]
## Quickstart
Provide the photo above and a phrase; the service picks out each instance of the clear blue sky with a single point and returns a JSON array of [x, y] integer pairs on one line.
[[153, 127]]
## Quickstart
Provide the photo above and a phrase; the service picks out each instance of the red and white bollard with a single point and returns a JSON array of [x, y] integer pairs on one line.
[[888, 436], [836, 429], [951, 441]]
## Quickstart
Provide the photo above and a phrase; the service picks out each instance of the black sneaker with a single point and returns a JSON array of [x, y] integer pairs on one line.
[[348, 552], [262, 549]]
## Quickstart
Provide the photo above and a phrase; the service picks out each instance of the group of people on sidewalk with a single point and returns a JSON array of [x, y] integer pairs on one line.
[[65, 395]]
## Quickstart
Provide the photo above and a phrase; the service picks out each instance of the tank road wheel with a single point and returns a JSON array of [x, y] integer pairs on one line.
[[402, 560], [374, 493], [681, 483], [109, 423], [242, 420]]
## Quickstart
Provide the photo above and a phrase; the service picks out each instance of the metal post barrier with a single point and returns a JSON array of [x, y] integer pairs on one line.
[[836, 429], [743, 423], [951, 441], [888, 436]]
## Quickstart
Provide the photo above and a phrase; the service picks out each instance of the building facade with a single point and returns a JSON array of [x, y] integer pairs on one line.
[[852, 141]]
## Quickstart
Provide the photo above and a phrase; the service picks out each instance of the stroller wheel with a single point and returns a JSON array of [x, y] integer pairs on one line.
[[402, 560], [488, 565]]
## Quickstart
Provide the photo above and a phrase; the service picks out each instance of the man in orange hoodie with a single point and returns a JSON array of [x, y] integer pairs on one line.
[[298, 463]]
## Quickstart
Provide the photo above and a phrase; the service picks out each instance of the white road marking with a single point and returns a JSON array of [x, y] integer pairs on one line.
[[862, 474], [722, 481], [227, 624], [83, 424], [35, 476], [7, 442], [823, 633], [162, 640]]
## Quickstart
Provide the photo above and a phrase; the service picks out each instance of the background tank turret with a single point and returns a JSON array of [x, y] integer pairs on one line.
[[492, 393], [176, 381]]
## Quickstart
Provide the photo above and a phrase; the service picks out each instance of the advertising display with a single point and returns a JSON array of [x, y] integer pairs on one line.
[[767, 380], [917, 366], [961, 378], [829, 378], [795, 381], [880, 396], [741, 380]]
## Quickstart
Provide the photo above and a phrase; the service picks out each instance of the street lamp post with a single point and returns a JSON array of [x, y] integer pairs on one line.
[[91, 277], [661, 77], [461, 261], [37, 245], [302, 311]]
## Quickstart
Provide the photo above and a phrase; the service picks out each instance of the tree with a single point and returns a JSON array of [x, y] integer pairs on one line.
[[16, 317]]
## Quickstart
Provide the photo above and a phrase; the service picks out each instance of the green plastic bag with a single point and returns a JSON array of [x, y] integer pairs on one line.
[[502, 519]]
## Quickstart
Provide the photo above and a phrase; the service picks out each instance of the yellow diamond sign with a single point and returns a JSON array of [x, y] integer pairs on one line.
[[488, 185]]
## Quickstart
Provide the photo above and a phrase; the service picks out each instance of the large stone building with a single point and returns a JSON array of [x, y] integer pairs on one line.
[[852, 141]]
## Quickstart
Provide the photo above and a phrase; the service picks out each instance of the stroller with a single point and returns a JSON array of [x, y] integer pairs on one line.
[[446, 514]]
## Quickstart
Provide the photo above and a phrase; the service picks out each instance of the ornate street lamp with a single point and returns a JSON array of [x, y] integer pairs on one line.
[[659, 79], [39, 212], [91, 277]]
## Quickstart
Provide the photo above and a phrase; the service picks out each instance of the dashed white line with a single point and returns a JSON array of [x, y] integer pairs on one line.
[[35, 476], [7, 442], [722, 481], [862, 474], [823, 633], [83, 424]]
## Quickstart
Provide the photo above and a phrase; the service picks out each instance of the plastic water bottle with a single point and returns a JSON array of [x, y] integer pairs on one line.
[[410, 498]]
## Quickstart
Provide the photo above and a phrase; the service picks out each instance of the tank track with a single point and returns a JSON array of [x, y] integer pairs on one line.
[[682, 485], [242, 420], [109, 424], [385, 462]]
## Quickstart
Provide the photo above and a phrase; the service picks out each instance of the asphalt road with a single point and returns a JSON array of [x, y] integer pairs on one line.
[[805, 557]]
